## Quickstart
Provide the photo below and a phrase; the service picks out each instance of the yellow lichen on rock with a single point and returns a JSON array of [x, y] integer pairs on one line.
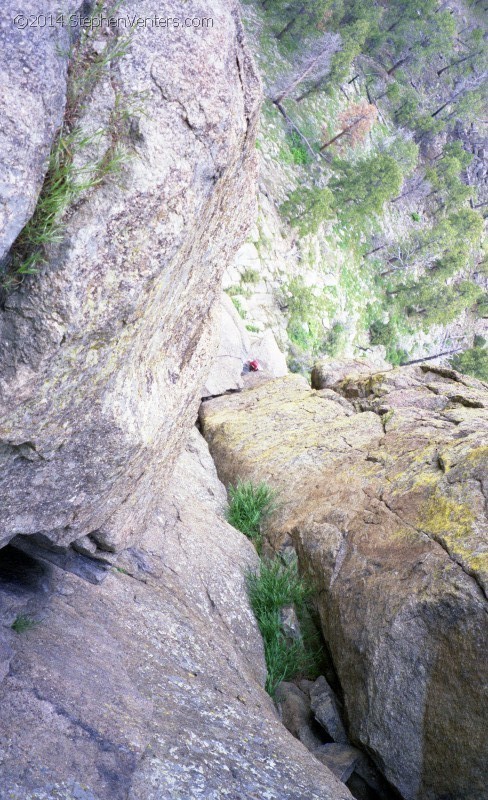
[[389, 521], [453, 525]]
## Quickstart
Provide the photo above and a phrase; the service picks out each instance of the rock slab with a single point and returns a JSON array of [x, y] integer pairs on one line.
[[383, 482], [341, 759], [104, 352], [325, 708], [148, 686]]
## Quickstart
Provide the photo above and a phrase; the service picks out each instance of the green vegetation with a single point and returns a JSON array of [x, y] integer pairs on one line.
[[72, 168], [298, 153], [473, 361], [87, 65], [306, 307], [63, 185], [335, 339], [427, 285], [238, 306], [249, 508], [307, 207], [371, 118], [23, 623], [122, 571], [273, 587], [250, 276], [362, 188]]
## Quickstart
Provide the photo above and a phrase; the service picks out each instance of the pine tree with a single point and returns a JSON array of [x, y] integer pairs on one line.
[[355, 122], [364, 186], [307, 208], [473, 361], [313, 67]]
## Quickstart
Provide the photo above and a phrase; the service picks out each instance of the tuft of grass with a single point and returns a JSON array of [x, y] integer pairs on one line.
[[276, 585], [250, 276], [238, 306], [63, 185], [23, 623], [87, 67], [65, 182], [273, 587], [249, 507], [122, 571]]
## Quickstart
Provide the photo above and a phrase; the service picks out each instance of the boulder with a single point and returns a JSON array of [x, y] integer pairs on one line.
[[296, 715], [384, 495], [327, 373], [284, 424], [150, 684], [341, 759], [103, 353], [290, 624], [326, 710]]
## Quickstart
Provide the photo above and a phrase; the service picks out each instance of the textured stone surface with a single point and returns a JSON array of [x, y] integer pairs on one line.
[[384, 490], [341, 759], [32, 100], [327, 372], [283, 435], [236, 348], [226, 372], [295, 714], [103, 353], [326, 711], [265, 349], [150, 685]]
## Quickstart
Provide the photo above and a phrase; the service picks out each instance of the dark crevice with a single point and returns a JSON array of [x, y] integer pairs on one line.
[[89, 569], [20, 572]]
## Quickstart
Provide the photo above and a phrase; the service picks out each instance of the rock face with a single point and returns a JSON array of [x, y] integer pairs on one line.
[[324, 707], [236, 348], [226, 372], [328, 372], [383, 482], [104, 352], [148, 686], [33, 70], [265, 349]]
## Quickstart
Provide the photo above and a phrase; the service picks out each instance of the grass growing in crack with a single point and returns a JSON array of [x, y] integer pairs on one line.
[[63, 185], [250, 276], [23, 623], [273, 587], [122, 571], [86, 68], [65, 181], [249, 507]]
